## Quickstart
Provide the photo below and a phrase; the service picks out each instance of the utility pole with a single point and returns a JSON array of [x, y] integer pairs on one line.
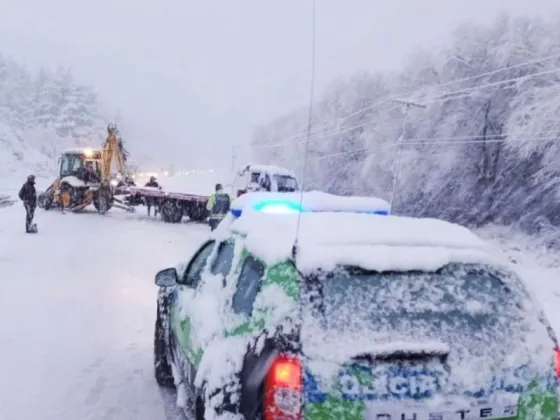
[[406, 104]]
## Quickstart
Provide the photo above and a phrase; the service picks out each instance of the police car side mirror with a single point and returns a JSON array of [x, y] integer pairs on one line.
[[167, 277]]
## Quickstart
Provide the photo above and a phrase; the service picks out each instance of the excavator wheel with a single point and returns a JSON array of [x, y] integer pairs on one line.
[[45, 200], [103, 200], [68, 196]]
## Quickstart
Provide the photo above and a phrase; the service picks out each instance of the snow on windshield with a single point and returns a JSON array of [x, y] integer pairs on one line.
[[482, 315], [285, 183]]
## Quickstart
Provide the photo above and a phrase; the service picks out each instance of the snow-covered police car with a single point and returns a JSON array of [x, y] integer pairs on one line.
[[328, 307]]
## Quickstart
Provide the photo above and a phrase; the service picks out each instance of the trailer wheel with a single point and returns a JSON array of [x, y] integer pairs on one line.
[[197, 213], [171, 212]]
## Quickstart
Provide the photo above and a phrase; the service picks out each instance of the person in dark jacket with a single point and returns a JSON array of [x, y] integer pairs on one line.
[[28, 195], [151, 201], [89, 175], [218, 205]]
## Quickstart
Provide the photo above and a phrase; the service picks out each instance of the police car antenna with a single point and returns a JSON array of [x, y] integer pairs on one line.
[[310, 117]]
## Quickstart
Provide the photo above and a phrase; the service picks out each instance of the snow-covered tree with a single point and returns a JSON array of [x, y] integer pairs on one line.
[[42, 113], [485, 148]]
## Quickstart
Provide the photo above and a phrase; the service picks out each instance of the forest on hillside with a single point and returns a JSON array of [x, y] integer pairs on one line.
[[42, 113], [470, 133]]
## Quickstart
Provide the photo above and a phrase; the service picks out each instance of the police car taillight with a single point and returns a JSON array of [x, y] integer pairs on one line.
[[557, 361], [283, 389], [557, 370]]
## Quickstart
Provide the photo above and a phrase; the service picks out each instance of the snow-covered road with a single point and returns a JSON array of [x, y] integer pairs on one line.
[[77, 308]]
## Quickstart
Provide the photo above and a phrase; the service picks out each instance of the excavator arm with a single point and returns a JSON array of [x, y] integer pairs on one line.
[[112, 149]]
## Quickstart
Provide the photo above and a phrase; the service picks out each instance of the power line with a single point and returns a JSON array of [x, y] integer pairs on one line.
[[448, 83], [411, 92], [422, 143], [322, 135], [499, 83], [448, 96]]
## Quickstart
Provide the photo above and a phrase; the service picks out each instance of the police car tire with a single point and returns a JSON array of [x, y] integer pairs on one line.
[[199, 409], [162, 368]]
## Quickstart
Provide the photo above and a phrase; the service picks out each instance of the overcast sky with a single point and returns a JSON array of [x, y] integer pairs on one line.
[[196, 76]]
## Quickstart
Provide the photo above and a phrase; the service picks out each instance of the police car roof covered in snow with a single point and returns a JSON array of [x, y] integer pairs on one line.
[[359, 231]]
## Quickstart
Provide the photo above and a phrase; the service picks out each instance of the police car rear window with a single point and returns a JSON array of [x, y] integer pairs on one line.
[[463, 297]]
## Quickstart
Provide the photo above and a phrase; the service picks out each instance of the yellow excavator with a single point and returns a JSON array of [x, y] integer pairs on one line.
[[85, 177]]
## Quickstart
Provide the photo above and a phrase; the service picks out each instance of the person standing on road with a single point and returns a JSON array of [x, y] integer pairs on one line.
[[218, 205], [151, 201], [28, 195]]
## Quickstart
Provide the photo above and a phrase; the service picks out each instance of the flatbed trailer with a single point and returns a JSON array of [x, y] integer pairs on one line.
[[172, 205]]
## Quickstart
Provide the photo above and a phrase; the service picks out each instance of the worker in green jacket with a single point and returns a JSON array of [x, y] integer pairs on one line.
[[218, 205]]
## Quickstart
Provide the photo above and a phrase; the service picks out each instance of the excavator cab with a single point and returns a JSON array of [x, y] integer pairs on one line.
[[83, 164]]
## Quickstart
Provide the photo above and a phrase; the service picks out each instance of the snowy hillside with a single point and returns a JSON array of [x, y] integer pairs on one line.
[[483, 149], [39, 115]]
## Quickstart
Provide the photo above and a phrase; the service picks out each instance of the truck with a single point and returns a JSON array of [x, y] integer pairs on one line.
[[187, 195], [172, 205], [256, 177]]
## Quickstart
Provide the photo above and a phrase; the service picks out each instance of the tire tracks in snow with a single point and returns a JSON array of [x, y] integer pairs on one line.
[[84, 294]]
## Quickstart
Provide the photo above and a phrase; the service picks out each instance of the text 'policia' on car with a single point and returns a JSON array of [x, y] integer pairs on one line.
[[370, 316]]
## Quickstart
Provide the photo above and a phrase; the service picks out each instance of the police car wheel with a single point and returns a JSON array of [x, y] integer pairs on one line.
[[162, 368], [199, 409]]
